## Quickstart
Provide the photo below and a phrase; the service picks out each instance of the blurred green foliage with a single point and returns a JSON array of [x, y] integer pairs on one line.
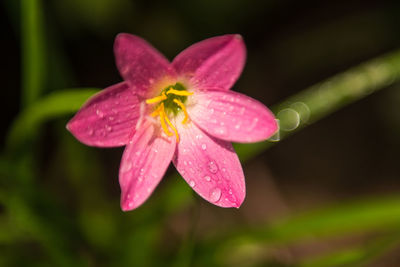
[[58, 205]]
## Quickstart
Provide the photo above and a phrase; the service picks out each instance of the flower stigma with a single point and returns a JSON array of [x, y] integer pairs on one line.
[[170, 101]]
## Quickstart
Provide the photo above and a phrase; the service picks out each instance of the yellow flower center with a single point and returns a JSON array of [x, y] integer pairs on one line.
[[170, 101]]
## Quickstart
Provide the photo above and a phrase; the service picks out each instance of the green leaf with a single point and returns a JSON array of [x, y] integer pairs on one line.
[[33, 50], [52, 106], [356, 256], [322, 99], [340, 220]]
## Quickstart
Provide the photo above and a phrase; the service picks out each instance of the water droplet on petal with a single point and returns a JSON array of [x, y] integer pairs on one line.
[[108, 128], [242, 110], [126, 167], [204, 146], [130, 204], [211, 111], [221, 131], [215, 194], [90, 132], [212, 167], [100, 113], [192, 183], [207, 178]]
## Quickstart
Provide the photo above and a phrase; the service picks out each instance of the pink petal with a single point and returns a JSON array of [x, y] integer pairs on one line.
[[108, 118], [210, 166], [232, 116], [145, 160], [213, 63], [140, 63]]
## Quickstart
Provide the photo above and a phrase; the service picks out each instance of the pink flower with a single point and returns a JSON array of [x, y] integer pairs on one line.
[[181, 111]]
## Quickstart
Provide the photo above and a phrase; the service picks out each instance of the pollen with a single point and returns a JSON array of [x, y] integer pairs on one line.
[[170, 102]]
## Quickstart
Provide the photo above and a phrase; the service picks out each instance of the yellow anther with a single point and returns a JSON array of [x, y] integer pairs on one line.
[[156, 99], [156, 112], [164, 117], [178, 92], [182, 106], [170, 125]]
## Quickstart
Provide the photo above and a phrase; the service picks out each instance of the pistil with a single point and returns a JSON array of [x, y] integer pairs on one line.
[[171, 100]]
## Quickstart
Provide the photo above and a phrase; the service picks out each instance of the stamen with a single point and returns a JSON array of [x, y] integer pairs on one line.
[[170, 125], [178, 92], [156, 112], [164, 117], [182, 106], [156, 99]]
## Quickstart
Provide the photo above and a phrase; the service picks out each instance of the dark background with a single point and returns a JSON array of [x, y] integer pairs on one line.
[[291, 45]]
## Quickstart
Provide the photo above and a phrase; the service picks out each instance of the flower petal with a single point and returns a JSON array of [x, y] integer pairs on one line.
[[210, 166], [108, 118], [213, 63], [140, 63], [232, 116], [144, 162]]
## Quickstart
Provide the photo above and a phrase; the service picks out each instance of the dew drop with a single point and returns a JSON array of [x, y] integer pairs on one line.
[[108, 128], [204, 146], [207, 178], [90, 132], [215, 194], [221, 131], [212, 167], [100, 113], [192, 183], [126, 167], [111, 118], [242, 110], [130, 204], [211, 111]]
